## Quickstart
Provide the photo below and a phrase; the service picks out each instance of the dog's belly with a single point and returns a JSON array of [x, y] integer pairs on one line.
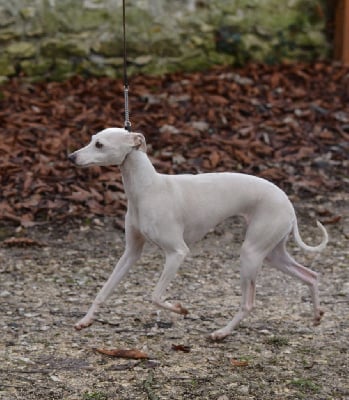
[[196, 233], [198, 224]]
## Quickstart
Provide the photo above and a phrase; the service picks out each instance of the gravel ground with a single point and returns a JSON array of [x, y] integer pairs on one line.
[[276, 353]]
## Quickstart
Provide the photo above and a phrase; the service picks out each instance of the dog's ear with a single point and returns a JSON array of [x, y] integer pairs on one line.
[[139, 142]]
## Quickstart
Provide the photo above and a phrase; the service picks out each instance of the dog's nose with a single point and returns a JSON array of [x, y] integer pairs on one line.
[[72, 157]]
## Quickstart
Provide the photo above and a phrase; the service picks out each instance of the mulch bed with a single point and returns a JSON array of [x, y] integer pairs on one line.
[[287, 123]]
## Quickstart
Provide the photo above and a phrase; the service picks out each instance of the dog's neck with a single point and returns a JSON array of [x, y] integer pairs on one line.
[[138, 174]]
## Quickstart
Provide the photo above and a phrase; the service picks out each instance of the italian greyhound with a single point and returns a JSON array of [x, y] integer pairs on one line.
[[174, 211]]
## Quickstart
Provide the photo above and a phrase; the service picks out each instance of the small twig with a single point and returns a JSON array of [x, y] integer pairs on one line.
[[25, 371], [104, 322], [335, 302], [45, 371], [123, 367], [2, 385]]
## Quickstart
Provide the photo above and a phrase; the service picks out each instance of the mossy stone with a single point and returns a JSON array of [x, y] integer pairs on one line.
[[27, 13], [80, 20], [221, 58], [36, 67], [160, 38], [60, 47], [7, 35], [6, 18], [6, 66], [196, 61], [310, 39], [63, 69], [142, 60], [21, 50], [108, 45]]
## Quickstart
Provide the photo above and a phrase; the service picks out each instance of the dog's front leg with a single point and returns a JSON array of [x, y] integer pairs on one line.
[[133, 251], [173, 261]]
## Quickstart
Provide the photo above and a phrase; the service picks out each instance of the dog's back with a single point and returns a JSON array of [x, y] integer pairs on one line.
[[203, 201]]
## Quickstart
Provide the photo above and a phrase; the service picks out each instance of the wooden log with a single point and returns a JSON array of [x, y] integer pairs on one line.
[[341, 34]]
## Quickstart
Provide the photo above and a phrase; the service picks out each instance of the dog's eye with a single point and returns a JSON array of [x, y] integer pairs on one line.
[[99, 145]]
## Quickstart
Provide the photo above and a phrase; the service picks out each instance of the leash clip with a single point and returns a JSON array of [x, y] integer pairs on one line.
[[127, 123]]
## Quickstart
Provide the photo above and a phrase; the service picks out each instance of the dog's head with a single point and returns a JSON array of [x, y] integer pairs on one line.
[[108, 147]]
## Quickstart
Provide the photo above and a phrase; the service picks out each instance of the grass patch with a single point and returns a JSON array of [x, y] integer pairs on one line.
[[306, 385], [95, 396], [277, 341], [306, 350]]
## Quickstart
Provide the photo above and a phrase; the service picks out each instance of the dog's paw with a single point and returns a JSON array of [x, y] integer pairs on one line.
[[219, 335], [180, 309], [83, 323], [318, 317]]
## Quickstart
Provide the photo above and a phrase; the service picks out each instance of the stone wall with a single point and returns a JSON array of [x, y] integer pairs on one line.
[[56, 39]]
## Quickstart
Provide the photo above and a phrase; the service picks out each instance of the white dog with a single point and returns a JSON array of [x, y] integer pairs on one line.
[[174, 211]]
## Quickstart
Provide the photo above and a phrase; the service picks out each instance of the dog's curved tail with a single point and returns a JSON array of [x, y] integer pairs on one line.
[[303, 245]]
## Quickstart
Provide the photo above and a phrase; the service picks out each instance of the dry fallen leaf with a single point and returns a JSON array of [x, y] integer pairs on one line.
[[214, 159], [180, 347], [21, 242], [123, 353], [239, 363], [332, 220], [222, 124]]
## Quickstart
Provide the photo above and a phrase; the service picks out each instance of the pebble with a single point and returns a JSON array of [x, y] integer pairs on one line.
[[345, 288], [224, 397], [244, 389]]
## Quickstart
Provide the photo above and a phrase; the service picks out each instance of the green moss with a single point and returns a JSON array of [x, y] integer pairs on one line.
[[6, 66], [7, 35], [195, 62], [216, 33], [27, 12], [108, 45], [95, 396], [220, 58], [62, 69], [62, 47], [36, 67], [306, 385], [21, 50], [277, 341]]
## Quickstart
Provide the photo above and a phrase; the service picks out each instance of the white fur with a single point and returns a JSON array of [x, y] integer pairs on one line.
[[174, 211]]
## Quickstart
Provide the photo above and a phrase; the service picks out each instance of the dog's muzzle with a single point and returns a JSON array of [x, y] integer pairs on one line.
[[72, 158]]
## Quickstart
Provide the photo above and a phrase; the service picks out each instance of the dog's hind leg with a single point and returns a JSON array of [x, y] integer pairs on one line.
[[251, 262], [133, 251], [282, 260], [259, 241]]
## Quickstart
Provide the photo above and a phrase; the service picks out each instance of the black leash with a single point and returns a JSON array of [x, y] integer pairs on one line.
[[127, 113]]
